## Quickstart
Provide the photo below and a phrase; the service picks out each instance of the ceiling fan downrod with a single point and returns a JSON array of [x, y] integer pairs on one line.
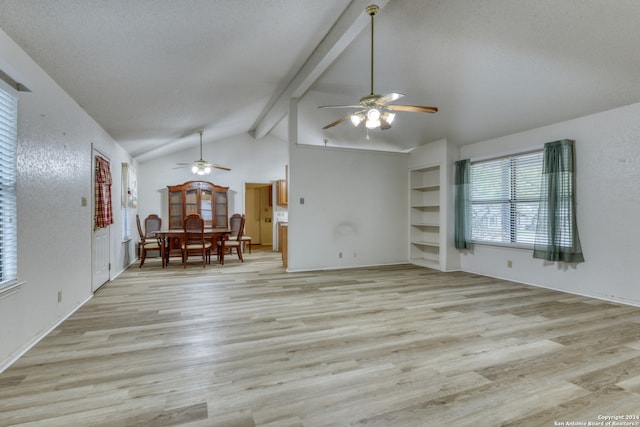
[[372, 10], [201, 132]]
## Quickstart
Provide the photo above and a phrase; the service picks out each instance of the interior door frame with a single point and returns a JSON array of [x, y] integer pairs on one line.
[[249, 217], [97, 282]]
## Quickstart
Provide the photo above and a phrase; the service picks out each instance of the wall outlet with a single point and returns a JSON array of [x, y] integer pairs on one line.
[[510, 264], [339, 254], [355, 254], [59, 296]]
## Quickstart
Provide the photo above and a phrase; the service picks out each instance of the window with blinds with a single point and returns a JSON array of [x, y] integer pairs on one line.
[[505, 194], [8, 226]]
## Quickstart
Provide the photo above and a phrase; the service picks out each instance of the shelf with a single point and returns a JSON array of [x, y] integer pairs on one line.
[[425, 216], [426, 243], [427, 188], [425, 224]]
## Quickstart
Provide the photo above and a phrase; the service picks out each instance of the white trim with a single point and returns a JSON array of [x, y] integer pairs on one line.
[[614, 300], [347, 267], [10, 289], [35, 340]]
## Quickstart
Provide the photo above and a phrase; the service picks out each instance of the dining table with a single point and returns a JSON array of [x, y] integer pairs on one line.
[[171, 240]]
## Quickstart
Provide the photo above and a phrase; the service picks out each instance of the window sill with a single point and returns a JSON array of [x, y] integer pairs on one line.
[[519, 247], [10, 289]]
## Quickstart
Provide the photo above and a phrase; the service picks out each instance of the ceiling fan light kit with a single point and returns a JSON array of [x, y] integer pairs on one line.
[[200, 169], [200, 166], [374, 109]]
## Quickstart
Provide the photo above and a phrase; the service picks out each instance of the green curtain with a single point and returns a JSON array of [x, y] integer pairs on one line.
[[462, 206], [557, 236]]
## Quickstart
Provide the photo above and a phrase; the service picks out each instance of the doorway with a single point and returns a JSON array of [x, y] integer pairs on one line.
[[258, 204], [101, 254]]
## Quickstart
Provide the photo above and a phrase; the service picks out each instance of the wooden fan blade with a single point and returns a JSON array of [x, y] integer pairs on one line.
[[412, 108], [220, 167], [337, 122], [390, 97], [184, 164], [181, 166], [340, 106]]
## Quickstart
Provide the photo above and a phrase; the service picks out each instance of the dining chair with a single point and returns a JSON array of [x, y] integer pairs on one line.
[[152, 223], [234, 225], [233, 241], [149, 241], [194, 240], [246, 240]]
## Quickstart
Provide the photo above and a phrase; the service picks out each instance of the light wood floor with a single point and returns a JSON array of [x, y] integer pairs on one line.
[[248, 344]]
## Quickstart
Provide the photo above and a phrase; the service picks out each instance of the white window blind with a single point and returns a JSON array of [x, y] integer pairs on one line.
[[8, 226], [505, 194]]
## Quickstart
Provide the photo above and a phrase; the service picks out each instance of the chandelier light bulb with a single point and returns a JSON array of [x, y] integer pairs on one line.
[[372, 124], [194, 169], [356, 119], [388, 117], [373, 114]]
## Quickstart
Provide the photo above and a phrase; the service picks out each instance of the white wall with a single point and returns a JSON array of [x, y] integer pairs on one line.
[[608, 208], [355, 202], [250, 160], [54, 229]]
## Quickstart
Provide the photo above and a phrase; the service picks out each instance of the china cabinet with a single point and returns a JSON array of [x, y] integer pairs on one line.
[[198, 197]]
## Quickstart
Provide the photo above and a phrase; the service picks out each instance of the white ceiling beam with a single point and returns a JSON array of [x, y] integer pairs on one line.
[[344, 31]]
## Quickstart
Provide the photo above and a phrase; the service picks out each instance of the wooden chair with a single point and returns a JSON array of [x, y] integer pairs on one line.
[[148, 239], [194, 240], [232, 242], [246, 240], [234, 224]]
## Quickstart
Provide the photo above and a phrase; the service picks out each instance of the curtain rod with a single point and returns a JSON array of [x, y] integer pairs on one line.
[[14, 84]]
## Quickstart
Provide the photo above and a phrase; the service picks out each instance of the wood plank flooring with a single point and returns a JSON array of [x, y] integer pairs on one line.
[[247, 344]]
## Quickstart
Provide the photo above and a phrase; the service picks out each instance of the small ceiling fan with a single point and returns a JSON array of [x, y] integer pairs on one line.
[[201, 167], [374, 110]]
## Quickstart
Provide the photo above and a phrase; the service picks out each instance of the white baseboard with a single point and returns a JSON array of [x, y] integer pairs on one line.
[[35, 340]]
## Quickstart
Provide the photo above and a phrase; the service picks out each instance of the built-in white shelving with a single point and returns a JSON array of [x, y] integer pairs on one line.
[[424, 202]]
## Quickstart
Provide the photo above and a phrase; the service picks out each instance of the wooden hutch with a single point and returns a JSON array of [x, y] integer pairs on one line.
[[198, 197]]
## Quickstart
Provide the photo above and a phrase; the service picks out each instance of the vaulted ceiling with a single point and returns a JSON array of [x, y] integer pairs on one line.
[[154, 72]]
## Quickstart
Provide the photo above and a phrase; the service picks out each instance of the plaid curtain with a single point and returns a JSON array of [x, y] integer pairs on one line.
[[104, 212]]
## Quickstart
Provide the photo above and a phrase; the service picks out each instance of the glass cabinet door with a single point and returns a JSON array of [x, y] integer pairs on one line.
[[221, 209], [175, 209], [206, 207], [191, 202]]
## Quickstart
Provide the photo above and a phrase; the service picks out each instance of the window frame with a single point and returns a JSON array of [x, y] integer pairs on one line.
[[511, 200], [8, 188]]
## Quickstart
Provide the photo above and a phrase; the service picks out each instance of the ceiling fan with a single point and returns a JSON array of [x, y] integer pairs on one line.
[[374, 110], [201, 167]]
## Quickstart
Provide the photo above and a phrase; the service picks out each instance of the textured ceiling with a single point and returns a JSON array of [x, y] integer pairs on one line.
[[153, 72]]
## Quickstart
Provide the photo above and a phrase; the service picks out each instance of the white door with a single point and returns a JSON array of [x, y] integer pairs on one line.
[[100, 254], [100, 257]]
